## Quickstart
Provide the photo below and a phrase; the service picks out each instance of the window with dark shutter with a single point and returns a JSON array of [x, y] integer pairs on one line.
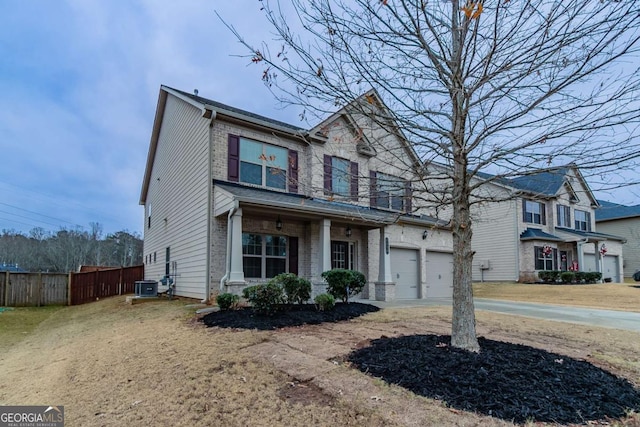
[[233, 162], [327, 173], [354, 181], [293, 171], [408, 196], [373, 189]]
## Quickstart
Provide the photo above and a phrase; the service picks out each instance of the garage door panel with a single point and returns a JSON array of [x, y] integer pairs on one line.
[[404, 271], [439, 274]]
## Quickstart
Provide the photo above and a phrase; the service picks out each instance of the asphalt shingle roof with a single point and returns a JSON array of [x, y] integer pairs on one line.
[[235, 110], [547, 183], [610, 211], [537, 234], [325, 207], [590, 234]]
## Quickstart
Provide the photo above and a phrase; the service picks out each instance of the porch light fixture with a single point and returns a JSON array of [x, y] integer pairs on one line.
[[278, 223], [348, 231], [424, 235]]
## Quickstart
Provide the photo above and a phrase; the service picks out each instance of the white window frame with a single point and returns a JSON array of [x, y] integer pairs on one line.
[[268, 162], [263, 256]]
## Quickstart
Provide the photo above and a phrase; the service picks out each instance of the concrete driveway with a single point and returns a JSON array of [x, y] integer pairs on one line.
[[587, 316]]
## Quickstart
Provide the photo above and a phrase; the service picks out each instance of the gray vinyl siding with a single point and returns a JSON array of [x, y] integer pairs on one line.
[[629, 229], [178, 195], [495, 238]]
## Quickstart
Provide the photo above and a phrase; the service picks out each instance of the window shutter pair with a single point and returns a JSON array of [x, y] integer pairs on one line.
[[233, 164], [328, 177]]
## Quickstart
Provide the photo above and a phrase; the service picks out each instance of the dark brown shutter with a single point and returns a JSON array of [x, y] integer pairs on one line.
[[408, 195], [524, 210], [354, 181], [543, 213], [373, 189], [293, 255], [327, 173], [588, 218], [233, 160], [293, 171]]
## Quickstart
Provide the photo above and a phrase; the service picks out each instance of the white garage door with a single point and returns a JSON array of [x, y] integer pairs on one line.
[[439, 275], [404, 272], [610, 268], [589, 263]]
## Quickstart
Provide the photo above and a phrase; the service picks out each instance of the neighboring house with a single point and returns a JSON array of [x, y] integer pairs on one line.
[[545, 221], [11, 268], [623, 221], [233, 198]]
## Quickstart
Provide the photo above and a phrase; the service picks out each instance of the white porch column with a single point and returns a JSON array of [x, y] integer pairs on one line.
[[384, 271], [236, 274], [385, 287], [599, 260], [325, 246]]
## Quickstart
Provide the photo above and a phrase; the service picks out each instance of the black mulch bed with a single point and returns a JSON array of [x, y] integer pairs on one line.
[[295, 315], [508, 381]]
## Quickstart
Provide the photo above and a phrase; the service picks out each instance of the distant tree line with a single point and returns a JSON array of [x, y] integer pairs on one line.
[[67, 250]]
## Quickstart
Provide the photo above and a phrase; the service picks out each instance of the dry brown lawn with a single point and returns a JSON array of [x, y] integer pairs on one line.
[[616, 296], [152, 364]]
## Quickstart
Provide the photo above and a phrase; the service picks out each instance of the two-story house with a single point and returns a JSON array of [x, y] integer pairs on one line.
[[233, 198], [623, 221], [544, 221]]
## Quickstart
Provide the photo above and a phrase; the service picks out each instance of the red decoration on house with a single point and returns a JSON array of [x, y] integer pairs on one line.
[[603, 250]]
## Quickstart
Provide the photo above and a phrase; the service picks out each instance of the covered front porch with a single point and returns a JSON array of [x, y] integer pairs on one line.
[[268, 233], [571, 250]]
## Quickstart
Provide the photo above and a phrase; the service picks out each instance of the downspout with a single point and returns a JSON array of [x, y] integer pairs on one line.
[[229, 232], [210, 114]]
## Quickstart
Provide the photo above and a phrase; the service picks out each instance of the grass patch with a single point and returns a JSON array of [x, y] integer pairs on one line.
[[18, 323], [616, 296]]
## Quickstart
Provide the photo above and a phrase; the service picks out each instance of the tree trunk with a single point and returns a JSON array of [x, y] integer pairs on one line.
[[463, 325]]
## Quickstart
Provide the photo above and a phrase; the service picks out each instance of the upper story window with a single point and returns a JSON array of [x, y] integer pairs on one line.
[[564, 216], [340, 177], [534, 212], [390, 192], [582, 220], [261, 164]]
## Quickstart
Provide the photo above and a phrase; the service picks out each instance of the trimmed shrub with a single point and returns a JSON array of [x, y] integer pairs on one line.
[[592, 276], [549, 276], [297, 289], [567, 276], [343, 283], [325, 302], [227, 301], [264, 298]]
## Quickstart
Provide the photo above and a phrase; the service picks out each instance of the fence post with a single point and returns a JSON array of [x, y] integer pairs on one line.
[[39, 285], [6, 288], [120, 281], [69, 288]]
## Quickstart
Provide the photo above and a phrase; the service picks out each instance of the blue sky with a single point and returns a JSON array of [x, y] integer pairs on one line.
[[79, 81]]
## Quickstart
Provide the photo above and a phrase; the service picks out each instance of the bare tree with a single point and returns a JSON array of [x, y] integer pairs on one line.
[[505, 87]]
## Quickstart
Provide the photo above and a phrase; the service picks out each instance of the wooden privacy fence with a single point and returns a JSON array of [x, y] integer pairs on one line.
[[91, 285], [33, 289], [38, 289]]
